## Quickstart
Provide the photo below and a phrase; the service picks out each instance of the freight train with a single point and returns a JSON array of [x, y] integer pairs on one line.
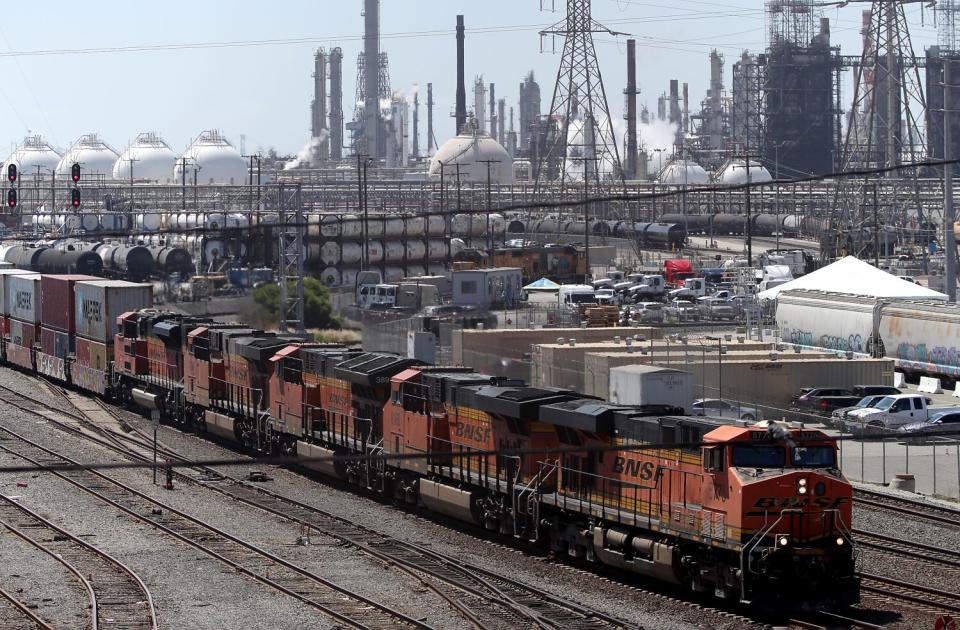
[[749, 513], [663, 235], [922, 337]]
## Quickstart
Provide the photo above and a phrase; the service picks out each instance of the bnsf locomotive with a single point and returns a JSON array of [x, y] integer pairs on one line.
[[742, 512]]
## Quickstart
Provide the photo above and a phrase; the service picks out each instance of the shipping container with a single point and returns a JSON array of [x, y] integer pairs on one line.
[[98, 303], [56, 343], [651, 385], [4, 273], [24, 334], [57, 300], [23, 297], [93, 354]]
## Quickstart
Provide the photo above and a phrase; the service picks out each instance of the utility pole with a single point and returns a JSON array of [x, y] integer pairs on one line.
[[949, 244], [489, 208], [876, 227]]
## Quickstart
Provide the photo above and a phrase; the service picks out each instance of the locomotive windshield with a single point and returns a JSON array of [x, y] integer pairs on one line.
[[813, 456], [759, 457]]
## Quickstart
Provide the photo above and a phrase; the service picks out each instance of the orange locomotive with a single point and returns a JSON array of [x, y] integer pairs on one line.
[[743, 512]]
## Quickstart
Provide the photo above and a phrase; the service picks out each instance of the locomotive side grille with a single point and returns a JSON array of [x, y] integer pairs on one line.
[[706, 523], [719, 526]]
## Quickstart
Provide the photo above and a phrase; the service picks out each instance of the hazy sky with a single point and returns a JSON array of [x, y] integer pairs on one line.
[[244, 67]]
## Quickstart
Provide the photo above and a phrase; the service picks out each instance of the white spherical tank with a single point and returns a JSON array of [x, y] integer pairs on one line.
[[94, 156], [684, 172], [350, 253], [32, 154], [393, 251], [150, 159], [416, 250], [214, 160], [330, 277], [478, 156], [735, 172]]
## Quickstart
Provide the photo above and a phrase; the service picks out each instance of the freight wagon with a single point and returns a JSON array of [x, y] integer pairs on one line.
[[922, 337]]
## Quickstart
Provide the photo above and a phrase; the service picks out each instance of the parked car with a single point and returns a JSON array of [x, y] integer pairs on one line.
[[890, 413], [725, 409], [716, 308], [683, 311], [947, 421], [648, 313], [839, 415], [875, 390], [824, 400], [605, 296]]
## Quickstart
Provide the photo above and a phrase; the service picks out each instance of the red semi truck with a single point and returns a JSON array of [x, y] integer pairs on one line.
[[676, 270]]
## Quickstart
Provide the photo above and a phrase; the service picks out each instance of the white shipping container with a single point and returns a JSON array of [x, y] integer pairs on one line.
[[99, 303], [651, 385], [23, 294], [5, 275]]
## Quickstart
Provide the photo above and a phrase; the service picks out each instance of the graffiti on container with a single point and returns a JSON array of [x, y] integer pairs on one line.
[[852, 342], [919, 353]]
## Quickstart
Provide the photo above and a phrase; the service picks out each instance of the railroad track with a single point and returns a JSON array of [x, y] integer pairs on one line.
[[343, 605], [15, 615], [902, 505], [117, 595], [488, 595], [897, 546], [932, 599]]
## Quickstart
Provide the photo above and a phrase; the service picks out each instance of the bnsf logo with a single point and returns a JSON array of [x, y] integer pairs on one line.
[[472, 432], [92, 310], [633, 468], [25, 300]]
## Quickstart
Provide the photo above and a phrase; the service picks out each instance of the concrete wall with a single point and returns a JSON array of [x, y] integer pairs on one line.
[[507, 352]]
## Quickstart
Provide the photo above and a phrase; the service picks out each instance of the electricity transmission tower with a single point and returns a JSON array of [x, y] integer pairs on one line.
[[582, 144], [292, 224]]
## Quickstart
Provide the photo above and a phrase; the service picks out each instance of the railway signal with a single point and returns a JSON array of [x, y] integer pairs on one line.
[[12, 197], [75, 172], [12, 172], [75, 197]]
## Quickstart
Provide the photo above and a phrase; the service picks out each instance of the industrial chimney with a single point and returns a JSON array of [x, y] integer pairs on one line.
[[631, 109], [461, 112], [371, 88], [336, 104]]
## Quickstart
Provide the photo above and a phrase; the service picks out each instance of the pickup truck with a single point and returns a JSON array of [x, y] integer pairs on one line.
[[826, 400], [839, 415], [890, 413]]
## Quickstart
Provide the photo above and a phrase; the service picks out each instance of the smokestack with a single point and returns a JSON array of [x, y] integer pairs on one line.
[[631, 109], [336, 104], [493, 111], [371, 88], [318, 119], [431, 141], [501, 110], [675, 101], [686, 108], [461, 112], [416, 125]]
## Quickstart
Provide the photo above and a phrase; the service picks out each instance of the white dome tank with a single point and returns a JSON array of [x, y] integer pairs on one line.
[[684, 172], [33, 153], [215, 160], [94, 156], [151, 158], [735, 172], [473, 152]]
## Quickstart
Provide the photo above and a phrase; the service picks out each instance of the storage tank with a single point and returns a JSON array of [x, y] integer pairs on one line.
[[393, 227], [113, 222], [151, 159], [330, 277], [135, 261], [348, 278], [94, 155], [416, 250], [23, 257], [394, 251], [461, 224], [374, 251], [735, 172], [351, 253], [436, 249], [415, 226], [374, 226], [215, 160], [351, 227], [312, 254], [436, 226], [149, 221], [172, 259], [33, 153], [329, 226], [684, 172], [213, 249], [90, 221], [235, 220], [212, 220], [330, 253], [393, 274]]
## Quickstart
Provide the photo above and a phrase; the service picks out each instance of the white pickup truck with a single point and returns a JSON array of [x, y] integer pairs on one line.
[[890, 413]]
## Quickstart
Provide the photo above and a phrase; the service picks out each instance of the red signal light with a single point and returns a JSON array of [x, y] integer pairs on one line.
[[75, 172], [12, 197], [75, 197]]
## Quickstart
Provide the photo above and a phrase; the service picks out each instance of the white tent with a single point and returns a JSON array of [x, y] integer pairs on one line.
[[852, 275]]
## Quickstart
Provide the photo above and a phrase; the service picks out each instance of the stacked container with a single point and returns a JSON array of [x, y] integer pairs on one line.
[[57, 322], [97, 305], [5, 321], [21, 295]]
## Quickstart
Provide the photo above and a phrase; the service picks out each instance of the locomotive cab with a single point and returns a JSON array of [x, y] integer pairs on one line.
[[788, 506]]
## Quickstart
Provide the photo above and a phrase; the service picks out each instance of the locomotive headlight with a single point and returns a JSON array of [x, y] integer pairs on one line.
[[783, 541], [802, 486], [839, 541]]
